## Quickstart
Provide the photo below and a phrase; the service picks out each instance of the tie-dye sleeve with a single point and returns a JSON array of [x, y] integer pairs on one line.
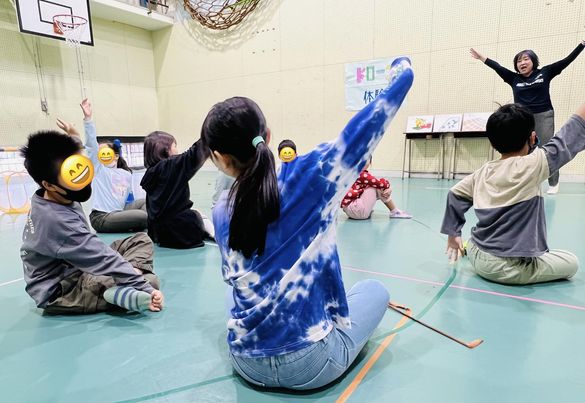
[[347, 155]]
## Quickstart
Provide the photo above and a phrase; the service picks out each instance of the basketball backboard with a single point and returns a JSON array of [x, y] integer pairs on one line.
[[36, 17]]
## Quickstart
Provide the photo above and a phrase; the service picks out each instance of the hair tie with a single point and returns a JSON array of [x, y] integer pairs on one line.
[[118, 144], [257, 140]]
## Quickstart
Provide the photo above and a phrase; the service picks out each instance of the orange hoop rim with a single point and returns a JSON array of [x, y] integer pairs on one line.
[[77, 21]]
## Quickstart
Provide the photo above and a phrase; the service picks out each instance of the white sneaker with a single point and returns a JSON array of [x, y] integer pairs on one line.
[[553, 190]]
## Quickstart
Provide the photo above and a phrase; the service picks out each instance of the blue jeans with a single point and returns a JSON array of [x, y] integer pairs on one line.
[[326, 360]]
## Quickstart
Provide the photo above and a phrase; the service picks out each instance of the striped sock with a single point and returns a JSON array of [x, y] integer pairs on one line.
[[128, 298]]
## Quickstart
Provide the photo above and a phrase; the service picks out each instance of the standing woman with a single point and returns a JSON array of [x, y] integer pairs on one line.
[[531, 88]]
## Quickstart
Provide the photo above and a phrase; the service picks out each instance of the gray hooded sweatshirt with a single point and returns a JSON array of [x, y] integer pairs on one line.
[[57, 243]]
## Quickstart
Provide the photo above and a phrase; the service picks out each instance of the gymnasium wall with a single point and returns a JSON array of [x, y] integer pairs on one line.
[[119, 71], [289, 56]]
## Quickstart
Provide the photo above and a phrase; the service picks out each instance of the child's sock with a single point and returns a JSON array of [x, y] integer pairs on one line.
[[128, 298]]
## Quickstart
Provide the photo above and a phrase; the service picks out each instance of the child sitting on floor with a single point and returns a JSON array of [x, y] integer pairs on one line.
[[111, 209], [172, 223], [290, 323], [67, 269], [508, 245], [359, 201]]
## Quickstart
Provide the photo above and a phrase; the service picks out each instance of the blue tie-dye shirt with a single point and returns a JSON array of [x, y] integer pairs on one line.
[[293, 294]]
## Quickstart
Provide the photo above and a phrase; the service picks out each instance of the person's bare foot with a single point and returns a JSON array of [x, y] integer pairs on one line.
[[156, 302]]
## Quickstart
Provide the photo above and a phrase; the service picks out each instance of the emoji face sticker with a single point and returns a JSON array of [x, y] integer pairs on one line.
[[106, 155], [76, 172], [287, 154]]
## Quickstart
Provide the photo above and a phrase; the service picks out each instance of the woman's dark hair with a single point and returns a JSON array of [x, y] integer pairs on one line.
[[157, 147], [229, 128], [116, 145], [531, 55], [509, 128], [44, 153], [287, 143]]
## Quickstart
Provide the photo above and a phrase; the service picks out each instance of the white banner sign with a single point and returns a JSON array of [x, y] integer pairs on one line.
[[364, 81]]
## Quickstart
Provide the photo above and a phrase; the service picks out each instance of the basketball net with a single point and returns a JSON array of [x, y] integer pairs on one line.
[[72, 28]]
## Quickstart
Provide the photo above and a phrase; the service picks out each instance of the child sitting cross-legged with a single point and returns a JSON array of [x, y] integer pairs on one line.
[[68, 269], [508, 244]]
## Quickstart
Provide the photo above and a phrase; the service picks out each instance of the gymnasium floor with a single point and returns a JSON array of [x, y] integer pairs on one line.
[[533, 335]]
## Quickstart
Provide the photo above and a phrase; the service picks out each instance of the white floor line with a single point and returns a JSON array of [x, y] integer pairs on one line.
[[12, 281]]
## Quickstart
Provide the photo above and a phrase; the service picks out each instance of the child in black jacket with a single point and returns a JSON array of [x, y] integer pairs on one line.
[[171, 221]]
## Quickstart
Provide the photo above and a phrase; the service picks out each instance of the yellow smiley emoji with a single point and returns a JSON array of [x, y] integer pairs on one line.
[[287, 154], [76, 172], [106, 155]]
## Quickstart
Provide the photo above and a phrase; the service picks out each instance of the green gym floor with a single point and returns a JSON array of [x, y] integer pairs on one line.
[[532, 350]]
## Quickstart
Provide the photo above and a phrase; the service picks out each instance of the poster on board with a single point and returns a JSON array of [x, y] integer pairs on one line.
[[364, 81], [447, 123], [475, 122], [419, 124]]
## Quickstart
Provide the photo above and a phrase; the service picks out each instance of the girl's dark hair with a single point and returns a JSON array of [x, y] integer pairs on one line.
[[531, 55], [117, 147], [229, 128], [157, 147]]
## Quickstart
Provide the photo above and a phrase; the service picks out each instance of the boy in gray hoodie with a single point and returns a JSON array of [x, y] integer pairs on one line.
[[67, 269]]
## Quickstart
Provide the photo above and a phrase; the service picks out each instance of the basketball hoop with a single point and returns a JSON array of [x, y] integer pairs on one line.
[[71, 27]]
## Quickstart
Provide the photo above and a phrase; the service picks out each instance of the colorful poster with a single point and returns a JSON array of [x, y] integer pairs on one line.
[[447, 123], [419, 124], [475, 122], [364, 81]]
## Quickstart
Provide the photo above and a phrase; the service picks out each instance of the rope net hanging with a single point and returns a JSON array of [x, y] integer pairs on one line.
[[219, 14]]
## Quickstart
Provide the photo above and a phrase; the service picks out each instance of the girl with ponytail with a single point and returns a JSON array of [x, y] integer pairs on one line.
[[289, 324]]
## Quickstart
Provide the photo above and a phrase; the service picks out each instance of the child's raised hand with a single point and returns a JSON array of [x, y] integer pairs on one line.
[[454, 248], [67, 127], [157, 300], [86, 108]]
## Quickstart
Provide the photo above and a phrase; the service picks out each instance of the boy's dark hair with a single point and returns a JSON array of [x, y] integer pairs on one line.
[[530, 53], [229, 128], [509, 128], [287, 143], [157, 147], [44, 153]]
